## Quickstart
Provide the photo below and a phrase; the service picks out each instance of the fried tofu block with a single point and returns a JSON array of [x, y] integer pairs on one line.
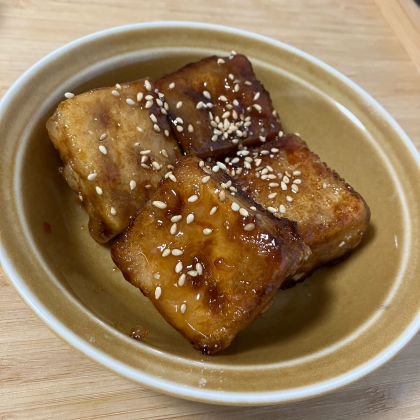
[[116, 145], [218, 103], [289, 180], [209, 261]]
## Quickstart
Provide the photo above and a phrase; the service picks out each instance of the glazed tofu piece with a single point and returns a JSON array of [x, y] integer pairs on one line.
[[289, 180], [116, 145], [217, 104], [207, 258]]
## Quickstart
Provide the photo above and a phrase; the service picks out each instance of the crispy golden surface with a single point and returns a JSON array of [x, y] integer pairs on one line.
[[209, 262], [289, 180], [114, 150], [217, 103]]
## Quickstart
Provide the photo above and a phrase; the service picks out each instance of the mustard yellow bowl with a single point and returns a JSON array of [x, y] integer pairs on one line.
[[339, 325]]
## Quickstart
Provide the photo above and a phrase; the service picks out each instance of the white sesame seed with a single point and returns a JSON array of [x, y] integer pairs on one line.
[[172, 178], [324, 185], [190, 218], [231, 76], [139, 129], [249, 227], [147, 186], [286, 179], [281, 133], [147, 85], [213, 210], [166, 252], [192, 273], [156, 166], [242, 152], [283, 186], [166, 132], [173, 229], [274, 150], [139, 96], [118, 86], [297, 181], [272, 209], [295, 188], [282, 209], [148, 104], [256, 96], [103, 149], [99, 190], [273, 184], [103, 136], [179, 104], [130, 101], [200, 105], [160, 204], [149, 97], [207, 231], [92, 177], [289, 199], [113, 211], [253, 208], [153, 118], [158, 292], [222, 195], [183, 308], [181, 280], [272, 195], [177, 252], [199, 268], [133, 184], [175, 219], [220, 61], [69, 95], [193, 198], [257, 107], [178, 267], [160, 103], [207, 94], [205, 179], [179, 128], [243, 212], [235, 206], [171, 85], [156, 128], [115, 92]]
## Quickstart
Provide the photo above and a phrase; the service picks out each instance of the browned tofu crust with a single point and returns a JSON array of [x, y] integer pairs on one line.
[[216, 104], [206, 257], [289, 180], [116, 145]]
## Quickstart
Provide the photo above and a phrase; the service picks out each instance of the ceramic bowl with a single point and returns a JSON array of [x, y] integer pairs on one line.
[[340, 324]]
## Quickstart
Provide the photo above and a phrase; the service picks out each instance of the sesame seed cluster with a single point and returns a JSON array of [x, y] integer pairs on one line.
[[217, 105]]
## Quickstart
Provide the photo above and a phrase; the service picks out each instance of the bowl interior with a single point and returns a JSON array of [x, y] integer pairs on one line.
[[337, 320]]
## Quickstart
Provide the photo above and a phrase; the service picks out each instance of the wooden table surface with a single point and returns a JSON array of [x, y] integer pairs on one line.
[[375, 43]]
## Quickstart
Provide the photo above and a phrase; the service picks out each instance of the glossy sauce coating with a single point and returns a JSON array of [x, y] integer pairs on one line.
[[217, 104], [285, 177], [208, 262], [115, 151]]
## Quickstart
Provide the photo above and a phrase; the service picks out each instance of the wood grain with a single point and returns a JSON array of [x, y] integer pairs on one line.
[[40, 376]]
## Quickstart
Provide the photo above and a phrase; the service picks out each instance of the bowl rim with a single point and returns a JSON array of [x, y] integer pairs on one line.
[[164, 385]]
